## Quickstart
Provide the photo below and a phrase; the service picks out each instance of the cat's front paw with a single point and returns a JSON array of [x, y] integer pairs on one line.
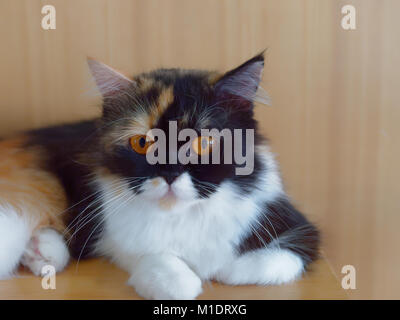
[[263, 267], [170, 279], [46, 247], [175, 287], [283, 266]]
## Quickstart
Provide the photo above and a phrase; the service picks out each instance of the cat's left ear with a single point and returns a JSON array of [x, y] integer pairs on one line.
[[242, 84], [109, 81]]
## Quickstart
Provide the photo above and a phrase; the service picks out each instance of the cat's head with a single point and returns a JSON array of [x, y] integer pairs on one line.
[[170, 100]]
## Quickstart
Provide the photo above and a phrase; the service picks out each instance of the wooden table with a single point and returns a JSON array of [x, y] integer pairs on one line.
[[98, 279]]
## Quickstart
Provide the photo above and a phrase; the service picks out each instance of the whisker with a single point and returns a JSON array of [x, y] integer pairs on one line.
[[96, 211], [118, 184], [130, 196]]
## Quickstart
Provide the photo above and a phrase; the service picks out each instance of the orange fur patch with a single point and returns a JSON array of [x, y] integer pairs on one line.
[[30, 190], [144, 83], [156, 182], [141, 123], [214, 77], [164, 100]]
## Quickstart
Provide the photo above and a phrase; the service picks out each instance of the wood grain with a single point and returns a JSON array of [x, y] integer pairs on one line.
[[98, 279], [335, 99]]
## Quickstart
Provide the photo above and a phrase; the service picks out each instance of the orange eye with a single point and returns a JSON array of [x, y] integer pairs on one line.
[[203, 145], [139, 143]]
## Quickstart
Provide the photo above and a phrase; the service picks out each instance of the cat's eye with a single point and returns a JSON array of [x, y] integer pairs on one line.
[[139, 143], [203, 145]]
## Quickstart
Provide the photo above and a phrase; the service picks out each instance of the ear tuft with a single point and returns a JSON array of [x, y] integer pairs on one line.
[[109, 81], [243, 82]]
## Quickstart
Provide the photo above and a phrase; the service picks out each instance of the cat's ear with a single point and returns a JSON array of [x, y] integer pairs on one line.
[[242, 84], [110, 82]]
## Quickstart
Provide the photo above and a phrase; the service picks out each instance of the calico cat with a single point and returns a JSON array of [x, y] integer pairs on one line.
[[86, 189]]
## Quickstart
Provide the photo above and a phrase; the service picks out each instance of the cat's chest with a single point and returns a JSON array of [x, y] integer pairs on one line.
[[204, 236]]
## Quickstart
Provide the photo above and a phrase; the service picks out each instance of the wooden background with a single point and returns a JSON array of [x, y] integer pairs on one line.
[[335, 96]]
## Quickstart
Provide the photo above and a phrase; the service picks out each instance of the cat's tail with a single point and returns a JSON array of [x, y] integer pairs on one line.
[[15, 232]]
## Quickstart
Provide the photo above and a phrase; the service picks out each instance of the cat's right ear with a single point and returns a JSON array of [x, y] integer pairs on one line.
[[109, 81]]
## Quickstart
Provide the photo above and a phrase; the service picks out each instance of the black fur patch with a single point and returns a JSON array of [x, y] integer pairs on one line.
[[64, 144], [282, 224]]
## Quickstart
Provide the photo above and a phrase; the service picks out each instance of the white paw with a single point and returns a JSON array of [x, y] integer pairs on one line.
[[283, 266], [171, 280], [46, 247], [263, 267]]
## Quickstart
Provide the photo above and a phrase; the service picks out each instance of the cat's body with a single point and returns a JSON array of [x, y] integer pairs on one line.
[[170, 226]]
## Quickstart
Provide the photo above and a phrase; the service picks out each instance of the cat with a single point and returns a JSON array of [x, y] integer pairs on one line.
[[86, 189]]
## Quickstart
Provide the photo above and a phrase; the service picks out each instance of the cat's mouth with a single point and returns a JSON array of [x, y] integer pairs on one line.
[[179, 195], [168, 200]]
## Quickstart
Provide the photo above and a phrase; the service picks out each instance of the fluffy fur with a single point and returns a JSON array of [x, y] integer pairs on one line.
[[171, 226], [14, 232]]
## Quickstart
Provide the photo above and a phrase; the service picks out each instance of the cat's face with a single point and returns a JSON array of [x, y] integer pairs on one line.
[[171, 101]]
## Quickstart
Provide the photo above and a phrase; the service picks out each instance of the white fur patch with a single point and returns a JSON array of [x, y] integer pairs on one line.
[[263, 267], [155, 190], [164, 277], [46, 247], [14, 236]]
